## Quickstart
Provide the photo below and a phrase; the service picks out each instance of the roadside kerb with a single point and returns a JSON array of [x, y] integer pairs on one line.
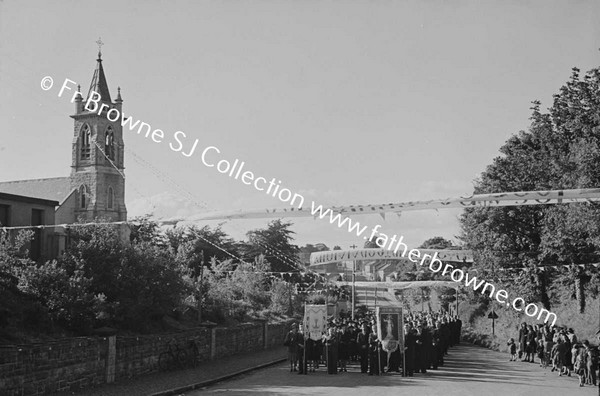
[[198, 385]]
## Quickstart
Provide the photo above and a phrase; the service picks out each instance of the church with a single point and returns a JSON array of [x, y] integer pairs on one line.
[[94, 189]]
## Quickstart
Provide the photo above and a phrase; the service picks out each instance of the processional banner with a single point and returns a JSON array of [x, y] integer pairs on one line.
[[390, 328], [315, 321]]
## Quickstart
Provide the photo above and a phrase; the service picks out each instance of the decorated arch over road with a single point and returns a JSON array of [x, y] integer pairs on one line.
[[332, 256]]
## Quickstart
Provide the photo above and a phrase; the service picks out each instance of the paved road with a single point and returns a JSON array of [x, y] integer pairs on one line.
[[469, 370]]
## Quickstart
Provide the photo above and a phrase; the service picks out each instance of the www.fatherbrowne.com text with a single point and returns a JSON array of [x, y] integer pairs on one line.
[[273, 187]]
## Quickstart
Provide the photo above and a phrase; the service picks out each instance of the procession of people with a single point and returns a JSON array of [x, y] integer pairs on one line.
[[558, 348], [427, 336]]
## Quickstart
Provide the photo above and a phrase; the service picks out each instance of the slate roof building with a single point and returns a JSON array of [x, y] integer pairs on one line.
[[96, 186], [19, 211]]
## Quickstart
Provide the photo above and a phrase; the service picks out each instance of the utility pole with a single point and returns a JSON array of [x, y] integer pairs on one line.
[[375, 297], [353, 283], [457, 301], [201, 280]]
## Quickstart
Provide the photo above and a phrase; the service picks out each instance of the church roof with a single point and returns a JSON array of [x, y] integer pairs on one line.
[[99, 84], [54, 189]]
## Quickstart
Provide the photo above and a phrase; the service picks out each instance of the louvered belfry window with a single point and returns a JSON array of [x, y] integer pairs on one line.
[[86, 137]]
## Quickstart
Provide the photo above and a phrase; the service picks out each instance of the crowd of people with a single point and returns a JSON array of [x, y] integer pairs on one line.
[[558, 348], [427, 337]]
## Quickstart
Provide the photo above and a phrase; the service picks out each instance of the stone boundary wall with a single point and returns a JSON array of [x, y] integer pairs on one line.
[[276, 334], [38, 369], [77, 363]]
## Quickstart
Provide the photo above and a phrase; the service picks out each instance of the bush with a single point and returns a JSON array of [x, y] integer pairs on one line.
[[101, 282], [66, 296]]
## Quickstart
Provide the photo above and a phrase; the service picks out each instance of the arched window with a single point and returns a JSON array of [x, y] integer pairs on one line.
[[109, 144], [83, 196], [86, 138], [111, 198]]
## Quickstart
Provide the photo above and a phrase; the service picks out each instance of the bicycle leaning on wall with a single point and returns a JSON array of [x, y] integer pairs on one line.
[[176, 357]]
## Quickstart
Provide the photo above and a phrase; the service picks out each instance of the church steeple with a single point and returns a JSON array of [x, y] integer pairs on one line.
[[98, 154], [99, 79]]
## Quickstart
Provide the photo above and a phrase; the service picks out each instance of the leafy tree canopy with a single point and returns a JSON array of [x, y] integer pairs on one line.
[[560, 150]]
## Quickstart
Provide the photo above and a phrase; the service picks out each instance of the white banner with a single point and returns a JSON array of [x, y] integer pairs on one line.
[[390, 325], [398, 285], [331, 256], [545, 197], [315, 321]]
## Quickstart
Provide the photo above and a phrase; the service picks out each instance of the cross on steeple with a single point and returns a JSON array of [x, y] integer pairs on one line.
[[100, 44], [99, 84]]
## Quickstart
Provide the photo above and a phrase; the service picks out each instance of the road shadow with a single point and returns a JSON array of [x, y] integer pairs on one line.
[[473, 366]]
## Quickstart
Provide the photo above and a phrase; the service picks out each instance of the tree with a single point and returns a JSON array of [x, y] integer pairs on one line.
[[570, 237], [275, 243], [281, 296], [213, 242], [237, 292], [102, 281], [371, 244], [437, 243], [319, 247], [144, 230], [19, 309], [560, 150]]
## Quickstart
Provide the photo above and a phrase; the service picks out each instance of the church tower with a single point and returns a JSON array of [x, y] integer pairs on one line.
[[97, 168]]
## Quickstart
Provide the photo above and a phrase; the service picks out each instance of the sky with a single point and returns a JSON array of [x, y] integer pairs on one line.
[[345, 102]]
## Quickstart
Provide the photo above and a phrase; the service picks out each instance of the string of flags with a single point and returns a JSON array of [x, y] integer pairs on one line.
[[189, 196], [521, 198], [268, 248], [293, 262], [541, 267]]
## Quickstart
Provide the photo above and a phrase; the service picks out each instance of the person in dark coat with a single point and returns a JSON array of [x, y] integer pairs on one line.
[[290, 341], [312, 355], [409, 350], [438, 353], [420, 351], [374, 353], [353, 351], [458, 330], [345, 339], [522, 340], [530, 344], [426, 339], [330, 342], [300, 351], [568, 361], [445, 336], [561, 349], [362, 344]]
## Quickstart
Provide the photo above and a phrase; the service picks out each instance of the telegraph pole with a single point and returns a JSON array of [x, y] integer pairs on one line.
[[353, 285], [457, 301], [201, 279]]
